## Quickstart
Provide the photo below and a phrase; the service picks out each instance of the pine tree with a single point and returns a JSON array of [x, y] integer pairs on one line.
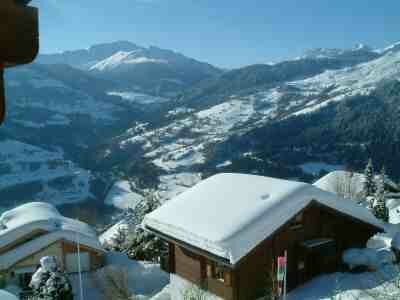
[[143, 245], [380, 210], [118, 240], [50, 282], [369, 184]]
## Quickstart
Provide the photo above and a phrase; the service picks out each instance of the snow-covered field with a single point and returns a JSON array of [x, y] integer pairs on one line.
[[381, 284], [144, 279], [138, 98], [122, 195]]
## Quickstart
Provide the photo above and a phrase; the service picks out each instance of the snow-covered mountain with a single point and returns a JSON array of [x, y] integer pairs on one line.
[[150, 70], [111, 111], [210, 132]]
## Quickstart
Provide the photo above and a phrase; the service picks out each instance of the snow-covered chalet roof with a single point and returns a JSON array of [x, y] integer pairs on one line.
[[4, 295], [20, 221], [330, 181], [229, 214]]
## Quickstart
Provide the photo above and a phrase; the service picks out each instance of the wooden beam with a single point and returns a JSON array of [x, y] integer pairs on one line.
[[2, 97], [221, 260], [19, 33]]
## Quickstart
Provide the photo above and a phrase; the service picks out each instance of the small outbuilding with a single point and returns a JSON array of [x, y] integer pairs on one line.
[[226, 233]]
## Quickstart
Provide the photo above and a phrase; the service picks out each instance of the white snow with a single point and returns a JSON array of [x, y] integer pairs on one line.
[[106, 236], [249, 216], [361, 79], [19, 222], [178, 286], [372, 258], [138, 98], [174, 184], [381, 284], [124, 58], [122, 195], [4, 295]]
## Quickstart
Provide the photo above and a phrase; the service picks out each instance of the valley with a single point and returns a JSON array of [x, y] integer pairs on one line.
[[81, 121]]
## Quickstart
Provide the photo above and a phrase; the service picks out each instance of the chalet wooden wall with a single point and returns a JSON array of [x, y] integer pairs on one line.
[[96, 259], [318, 222], [188, 265], [256, 271]]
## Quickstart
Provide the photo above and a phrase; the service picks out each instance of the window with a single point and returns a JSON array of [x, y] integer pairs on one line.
[[219, 273], [297, 222]]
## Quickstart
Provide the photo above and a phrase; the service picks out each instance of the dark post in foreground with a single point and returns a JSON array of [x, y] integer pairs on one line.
[[19, 38]]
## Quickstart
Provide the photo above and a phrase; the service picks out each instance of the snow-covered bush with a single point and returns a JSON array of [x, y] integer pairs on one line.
[[371, 258], [379, 241], [49, 282]]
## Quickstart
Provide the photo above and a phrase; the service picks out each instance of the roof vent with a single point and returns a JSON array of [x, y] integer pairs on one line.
[[265, 197]]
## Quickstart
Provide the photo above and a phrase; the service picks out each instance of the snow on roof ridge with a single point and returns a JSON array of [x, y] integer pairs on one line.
[[23, 219], [8, 259], [269, 203]]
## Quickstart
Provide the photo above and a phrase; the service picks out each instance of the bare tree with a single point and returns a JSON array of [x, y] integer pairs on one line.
[[346, 186], [112, 282]]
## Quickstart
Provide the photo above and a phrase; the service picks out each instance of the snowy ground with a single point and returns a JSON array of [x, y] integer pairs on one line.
[[144, 279], [138, 98], [122, 195], [382, 284]]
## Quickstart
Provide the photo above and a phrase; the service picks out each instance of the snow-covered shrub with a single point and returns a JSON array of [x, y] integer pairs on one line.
[[371, 258], [379, 241], [49, 282]]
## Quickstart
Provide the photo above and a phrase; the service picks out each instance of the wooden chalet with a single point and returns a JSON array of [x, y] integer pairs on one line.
[[34, 230], [225, 234]]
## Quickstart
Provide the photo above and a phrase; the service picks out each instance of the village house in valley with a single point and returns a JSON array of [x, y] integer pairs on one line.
[[34, 230], [225, 234]]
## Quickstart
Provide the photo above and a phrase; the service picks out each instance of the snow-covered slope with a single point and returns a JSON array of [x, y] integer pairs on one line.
[[4, 295], [341, 84], [123, 196], [183, 143], [31, 173], [144, 69], [124, 58]]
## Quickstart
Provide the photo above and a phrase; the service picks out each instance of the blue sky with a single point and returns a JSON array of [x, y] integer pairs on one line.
[[225, 33]]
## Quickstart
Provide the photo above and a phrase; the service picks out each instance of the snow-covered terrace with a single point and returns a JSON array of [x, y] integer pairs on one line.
[[227, 215]]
